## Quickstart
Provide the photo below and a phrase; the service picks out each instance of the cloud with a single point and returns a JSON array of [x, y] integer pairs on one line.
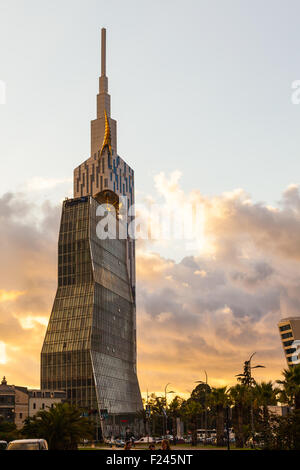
[[226, 299], [27, 283], [209, 309], [40, 184], [9, 295]]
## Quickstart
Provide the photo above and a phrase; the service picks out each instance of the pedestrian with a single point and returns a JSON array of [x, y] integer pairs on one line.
[[128, 445], [165, 445]]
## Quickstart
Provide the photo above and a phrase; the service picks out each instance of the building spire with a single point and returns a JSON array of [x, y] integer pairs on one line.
[[103, 82], [104, 128], [103, 52]]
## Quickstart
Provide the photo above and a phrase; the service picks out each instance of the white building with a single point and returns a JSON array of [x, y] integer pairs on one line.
[[43, 400]]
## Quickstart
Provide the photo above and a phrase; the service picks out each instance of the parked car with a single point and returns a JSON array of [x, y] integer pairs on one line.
[[116, 443], [158, 440], [3, 445], [28, 444], [145, 440]]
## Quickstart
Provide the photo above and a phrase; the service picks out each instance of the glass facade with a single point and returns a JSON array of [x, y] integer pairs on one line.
[[90, 344]]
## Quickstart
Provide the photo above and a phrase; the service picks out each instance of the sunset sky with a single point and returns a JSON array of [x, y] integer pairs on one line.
[[201, 91]]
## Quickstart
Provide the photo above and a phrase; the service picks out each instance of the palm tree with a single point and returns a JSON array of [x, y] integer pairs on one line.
[[218, 400], [174, 411], [265, 395], [191, 410], [241, 397], [62, 426], [157, 407], [291, 386]]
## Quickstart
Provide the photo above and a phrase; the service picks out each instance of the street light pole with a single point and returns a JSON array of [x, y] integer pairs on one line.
[[205, 436], [166, 418], [251, 407], [166, 405], [247, 379], [227, 427], [205, 407], [147, 416]]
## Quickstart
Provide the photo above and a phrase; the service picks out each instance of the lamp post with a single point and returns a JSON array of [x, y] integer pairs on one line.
[[247, 379], [228, 426], [205, 407], [147, 416], [166, 405]]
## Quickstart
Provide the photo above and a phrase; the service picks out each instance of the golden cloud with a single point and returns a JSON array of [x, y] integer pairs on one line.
[[209, 310]]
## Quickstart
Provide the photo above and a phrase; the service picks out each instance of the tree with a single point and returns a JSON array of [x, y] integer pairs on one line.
[[264, 396], [240, 395], [62, 426], [175, 411], [218, 401], [201, 393], [175, 406], [157, 405], [8, 431], [191, 410], [291, 386]]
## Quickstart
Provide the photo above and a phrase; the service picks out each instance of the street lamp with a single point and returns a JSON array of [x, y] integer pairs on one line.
[[148, 414], [228, 417], [247, 379], [166, 405], [205, 408]]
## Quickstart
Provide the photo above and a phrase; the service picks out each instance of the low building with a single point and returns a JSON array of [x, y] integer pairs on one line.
[[17, 403], [21, 405], [289, 330], [278, 410], [13, 403], [43, 400], [7, 402]]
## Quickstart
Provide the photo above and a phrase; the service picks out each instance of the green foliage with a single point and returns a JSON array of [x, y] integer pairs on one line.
[[175, 406], [249, 402], [8, 431], [200, 393], [218, 400], [284, 432], [62, 426], [241, 396], [291, 386]]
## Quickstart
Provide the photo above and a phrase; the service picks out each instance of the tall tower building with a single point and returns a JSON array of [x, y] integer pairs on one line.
[[89, 348], [289, 330]]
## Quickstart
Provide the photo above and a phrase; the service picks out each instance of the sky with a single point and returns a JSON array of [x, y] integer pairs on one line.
[[202, 94]]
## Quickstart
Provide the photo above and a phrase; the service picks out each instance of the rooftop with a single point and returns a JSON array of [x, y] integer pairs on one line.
[[288, 319], [5, 389]]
